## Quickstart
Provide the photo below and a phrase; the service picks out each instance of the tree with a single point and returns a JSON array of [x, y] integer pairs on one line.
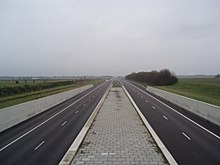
[[164, 77]]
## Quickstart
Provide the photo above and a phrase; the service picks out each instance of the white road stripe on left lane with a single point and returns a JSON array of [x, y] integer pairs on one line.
[[64, 123], [39, 145]]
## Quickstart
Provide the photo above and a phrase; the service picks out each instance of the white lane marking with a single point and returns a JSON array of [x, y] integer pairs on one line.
[[64, 123], [6, 146], [162, 147], [186, 136], [76, 111], [205, 129], [153, 107], [39, 145], [146, 101], [165, 117]]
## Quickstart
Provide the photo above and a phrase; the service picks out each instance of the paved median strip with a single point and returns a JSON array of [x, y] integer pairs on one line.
[[67, 159], [118, 136]]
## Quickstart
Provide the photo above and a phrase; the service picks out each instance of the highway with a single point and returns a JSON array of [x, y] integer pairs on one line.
[[45, 138], [189, 138]]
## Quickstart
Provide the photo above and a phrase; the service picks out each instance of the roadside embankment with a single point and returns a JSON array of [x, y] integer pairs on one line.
[[208, 111], [13, 115]]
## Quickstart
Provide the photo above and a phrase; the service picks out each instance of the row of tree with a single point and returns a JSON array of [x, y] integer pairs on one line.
[[163, 77]]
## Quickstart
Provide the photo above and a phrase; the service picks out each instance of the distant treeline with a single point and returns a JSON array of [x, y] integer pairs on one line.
[[13, 90], [163, 77]]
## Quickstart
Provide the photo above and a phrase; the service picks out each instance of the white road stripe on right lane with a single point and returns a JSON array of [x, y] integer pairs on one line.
[[186, 136], [205, 129], [165, 117]]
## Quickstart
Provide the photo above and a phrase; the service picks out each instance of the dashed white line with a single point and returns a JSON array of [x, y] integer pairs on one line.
[[76, 111], [9, 144], [64, 123], [39, 145], [146, 101], [20, 137], [165, 117], [187, 118], [186, 136], [153, 107]]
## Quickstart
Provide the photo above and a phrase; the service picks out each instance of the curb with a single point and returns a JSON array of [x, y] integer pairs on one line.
[[159, 143], [68, 157]]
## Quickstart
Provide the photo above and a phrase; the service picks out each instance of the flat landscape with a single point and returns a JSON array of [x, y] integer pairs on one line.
[[12, 93], [203, 89]]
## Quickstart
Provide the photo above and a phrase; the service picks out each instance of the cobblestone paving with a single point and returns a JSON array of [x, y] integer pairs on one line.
[[118, 136]]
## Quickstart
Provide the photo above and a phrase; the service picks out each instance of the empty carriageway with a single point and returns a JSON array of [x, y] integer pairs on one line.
[[190, 142], [45, 138]]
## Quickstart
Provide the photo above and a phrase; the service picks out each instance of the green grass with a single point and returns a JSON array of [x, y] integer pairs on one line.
[[203, 89], [7, 101]]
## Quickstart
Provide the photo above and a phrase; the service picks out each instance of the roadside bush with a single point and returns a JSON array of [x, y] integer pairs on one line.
[[8, 91]]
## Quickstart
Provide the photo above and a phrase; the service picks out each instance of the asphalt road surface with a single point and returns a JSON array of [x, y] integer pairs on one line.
[[189, 138], [45, 138]]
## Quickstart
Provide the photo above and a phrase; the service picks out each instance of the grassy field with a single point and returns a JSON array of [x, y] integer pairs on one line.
[[203, 89], [35, 90]]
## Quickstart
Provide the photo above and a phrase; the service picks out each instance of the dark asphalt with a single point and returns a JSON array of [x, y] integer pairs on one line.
[[188, 143], [48, 143]]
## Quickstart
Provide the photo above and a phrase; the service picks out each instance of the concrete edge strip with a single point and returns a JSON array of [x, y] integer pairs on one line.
[[68, 157], [160, 144]]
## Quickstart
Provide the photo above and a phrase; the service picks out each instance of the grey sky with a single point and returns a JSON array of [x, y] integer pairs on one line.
[[108, 37]]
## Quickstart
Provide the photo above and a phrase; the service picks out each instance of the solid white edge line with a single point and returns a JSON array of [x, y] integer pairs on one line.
[[186, 136], [6, 146], [68, 157], [39, 145], [159, 143], [205, 129]]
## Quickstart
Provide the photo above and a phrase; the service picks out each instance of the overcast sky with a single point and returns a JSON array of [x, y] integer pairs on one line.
[[108, 37]]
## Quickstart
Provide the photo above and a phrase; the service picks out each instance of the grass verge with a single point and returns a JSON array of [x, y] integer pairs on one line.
[[203, 89]]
